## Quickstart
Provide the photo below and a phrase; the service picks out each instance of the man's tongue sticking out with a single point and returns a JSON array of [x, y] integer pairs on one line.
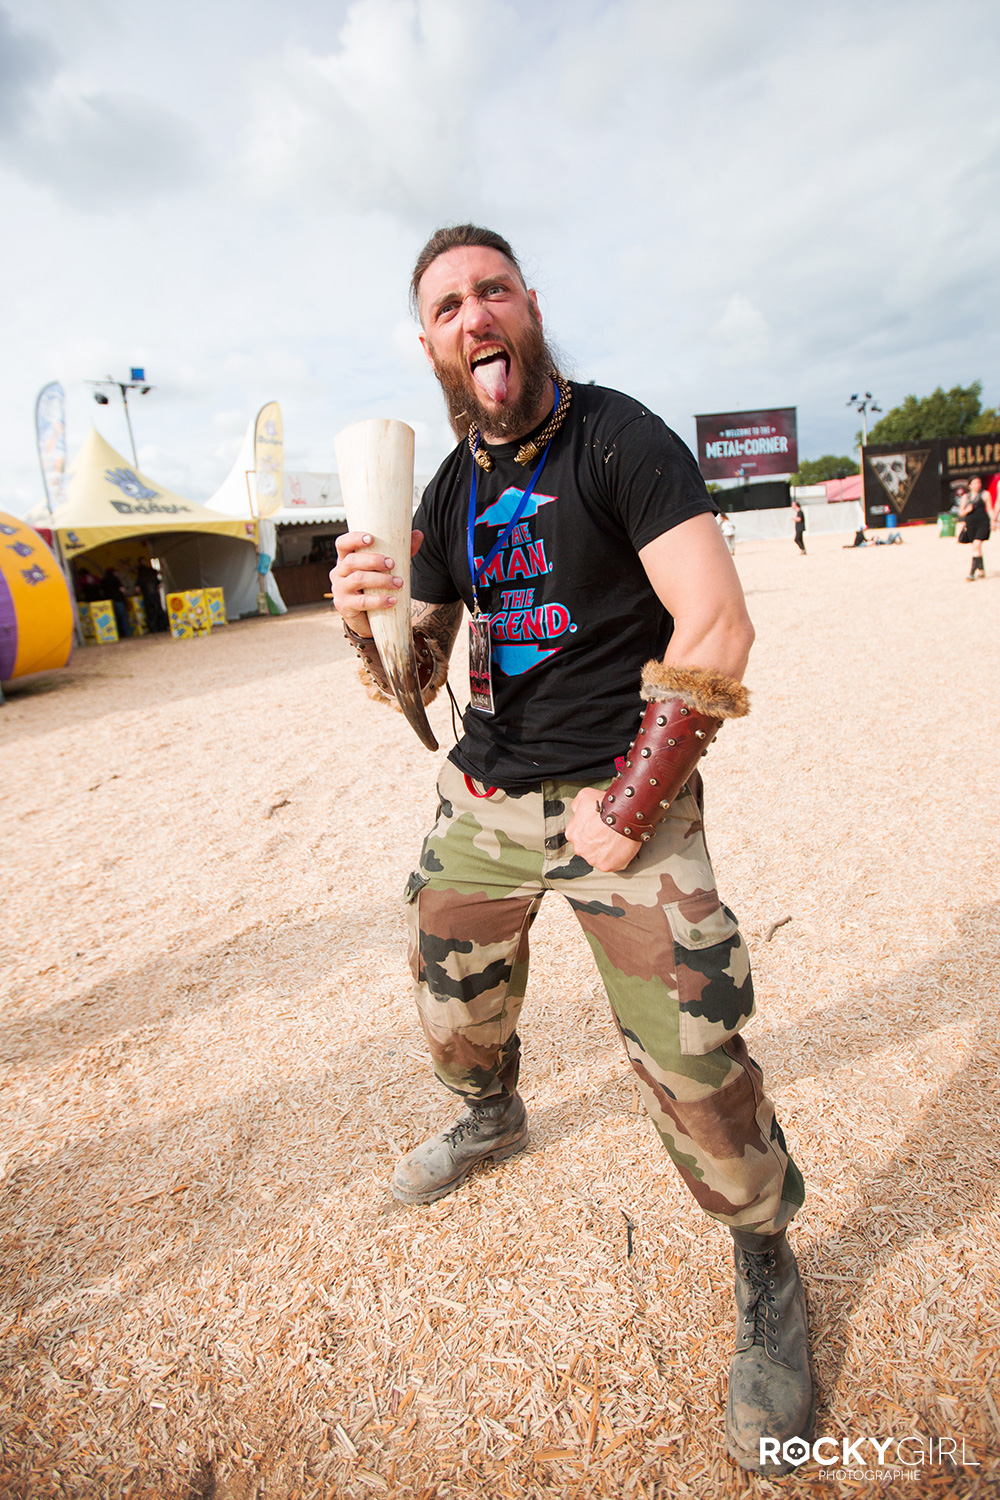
[[491, 376]]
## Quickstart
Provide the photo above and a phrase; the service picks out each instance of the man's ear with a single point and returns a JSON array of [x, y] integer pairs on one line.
[[426, 347], [533, 299]]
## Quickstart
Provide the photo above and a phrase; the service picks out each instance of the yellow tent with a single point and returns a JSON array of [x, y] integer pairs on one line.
[[108, 499]]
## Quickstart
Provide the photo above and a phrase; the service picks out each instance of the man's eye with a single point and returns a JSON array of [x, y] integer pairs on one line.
[[446, 309]]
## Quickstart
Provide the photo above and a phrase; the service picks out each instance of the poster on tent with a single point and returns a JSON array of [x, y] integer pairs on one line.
[[268, 459], [50, 431], [748, 444]]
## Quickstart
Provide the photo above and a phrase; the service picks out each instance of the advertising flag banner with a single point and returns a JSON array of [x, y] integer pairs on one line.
[[50, 431], [748, 444], [268, 458]]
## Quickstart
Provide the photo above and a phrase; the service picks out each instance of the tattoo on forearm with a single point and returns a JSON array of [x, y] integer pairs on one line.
[[439, 621]]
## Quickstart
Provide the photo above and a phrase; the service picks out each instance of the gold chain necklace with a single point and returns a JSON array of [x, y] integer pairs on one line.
[[528, 451]]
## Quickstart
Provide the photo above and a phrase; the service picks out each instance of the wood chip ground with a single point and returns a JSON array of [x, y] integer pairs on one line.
[[210, 1064]]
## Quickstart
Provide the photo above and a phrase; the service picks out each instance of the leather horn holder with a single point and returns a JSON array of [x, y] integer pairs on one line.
[[431, 669]]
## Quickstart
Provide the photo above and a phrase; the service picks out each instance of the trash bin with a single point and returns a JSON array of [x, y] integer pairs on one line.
[[946, 524]]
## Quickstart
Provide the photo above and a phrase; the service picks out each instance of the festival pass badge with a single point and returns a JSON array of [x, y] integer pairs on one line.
[[480, 664]]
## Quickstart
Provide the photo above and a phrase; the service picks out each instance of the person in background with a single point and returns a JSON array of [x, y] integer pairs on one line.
[[728, 533], [799, 519], [112, 590], [976, 528], [88, 587], [148, 583]]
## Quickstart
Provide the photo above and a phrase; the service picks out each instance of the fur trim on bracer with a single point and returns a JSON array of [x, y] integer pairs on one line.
[[702, 688]]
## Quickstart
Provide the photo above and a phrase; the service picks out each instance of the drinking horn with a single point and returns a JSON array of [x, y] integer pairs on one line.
[[375, 460]]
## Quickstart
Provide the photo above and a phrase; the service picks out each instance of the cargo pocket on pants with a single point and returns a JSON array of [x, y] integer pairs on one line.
[[714, 984], [411, 900]]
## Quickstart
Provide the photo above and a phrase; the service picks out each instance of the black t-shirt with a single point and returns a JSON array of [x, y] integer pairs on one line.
[[573, 615]]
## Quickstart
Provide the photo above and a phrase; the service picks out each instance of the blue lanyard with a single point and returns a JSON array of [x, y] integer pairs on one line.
[[479, 575]]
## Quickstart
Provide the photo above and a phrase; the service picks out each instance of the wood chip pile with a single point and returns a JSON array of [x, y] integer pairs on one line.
[[210, 1064]]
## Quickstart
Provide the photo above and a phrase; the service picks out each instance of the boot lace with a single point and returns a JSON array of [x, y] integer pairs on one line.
[[467, 1124], [758, 1271], [473, 1120]]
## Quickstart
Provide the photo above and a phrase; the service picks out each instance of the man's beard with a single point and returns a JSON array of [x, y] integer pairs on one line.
[[535, 363]]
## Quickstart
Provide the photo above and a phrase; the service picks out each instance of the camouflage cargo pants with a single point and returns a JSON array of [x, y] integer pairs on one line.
[[671, 957]]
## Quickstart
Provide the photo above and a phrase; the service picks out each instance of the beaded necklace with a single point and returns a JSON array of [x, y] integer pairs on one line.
[[530, 450]]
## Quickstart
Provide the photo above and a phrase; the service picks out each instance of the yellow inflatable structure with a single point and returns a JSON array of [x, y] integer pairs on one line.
[[36, 611]]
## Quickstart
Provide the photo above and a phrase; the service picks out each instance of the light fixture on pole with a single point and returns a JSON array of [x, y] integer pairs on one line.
[[864, 405], [137, 383]]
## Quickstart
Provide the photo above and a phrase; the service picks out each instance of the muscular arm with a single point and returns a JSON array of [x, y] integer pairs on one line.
[[695, 579]]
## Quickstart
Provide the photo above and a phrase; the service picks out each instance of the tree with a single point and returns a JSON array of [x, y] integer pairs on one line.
[[944, 414], [815, 470]]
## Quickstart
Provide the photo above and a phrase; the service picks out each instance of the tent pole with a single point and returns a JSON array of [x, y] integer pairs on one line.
[[128, 421], [70, 584]]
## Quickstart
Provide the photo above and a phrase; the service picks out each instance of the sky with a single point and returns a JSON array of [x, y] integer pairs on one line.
[[722, 205]]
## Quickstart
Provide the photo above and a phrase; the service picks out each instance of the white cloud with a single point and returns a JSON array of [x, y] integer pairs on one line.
[[406, 345], [742, 332], [105, 151], [94, 148], [394, 119], [25, 61], [233, 423]]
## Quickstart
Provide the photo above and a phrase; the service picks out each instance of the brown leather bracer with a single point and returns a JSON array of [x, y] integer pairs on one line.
[[685, 711]]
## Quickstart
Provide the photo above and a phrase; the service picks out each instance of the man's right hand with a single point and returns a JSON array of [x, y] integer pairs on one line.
[[363, 580]]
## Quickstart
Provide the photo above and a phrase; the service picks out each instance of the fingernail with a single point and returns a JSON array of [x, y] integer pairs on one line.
[[398, 582], [367, 540], [389, 562]]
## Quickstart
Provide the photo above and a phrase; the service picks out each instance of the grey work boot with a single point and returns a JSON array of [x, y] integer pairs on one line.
[[440, 1165], [770, 1385]]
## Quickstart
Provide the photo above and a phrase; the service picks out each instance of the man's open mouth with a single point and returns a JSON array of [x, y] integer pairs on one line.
[[490, 367]]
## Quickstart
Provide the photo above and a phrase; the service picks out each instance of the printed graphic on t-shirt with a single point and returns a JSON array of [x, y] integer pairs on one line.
[[502, 509], [523, 630]]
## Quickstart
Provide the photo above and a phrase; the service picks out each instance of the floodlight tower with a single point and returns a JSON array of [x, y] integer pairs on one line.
[[137, 383], [864, 405]]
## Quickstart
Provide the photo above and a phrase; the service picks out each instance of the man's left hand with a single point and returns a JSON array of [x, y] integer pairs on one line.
[[591, 837]]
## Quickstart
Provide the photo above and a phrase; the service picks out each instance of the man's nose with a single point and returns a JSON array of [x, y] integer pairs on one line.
[[477, 314]]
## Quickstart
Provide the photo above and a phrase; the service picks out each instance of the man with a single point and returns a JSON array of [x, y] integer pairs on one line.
[[112, 588], [609, 639]]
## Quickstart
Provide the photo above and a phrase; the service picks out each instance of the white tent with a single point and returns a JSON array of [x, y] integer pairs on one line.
[[237, 494]]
